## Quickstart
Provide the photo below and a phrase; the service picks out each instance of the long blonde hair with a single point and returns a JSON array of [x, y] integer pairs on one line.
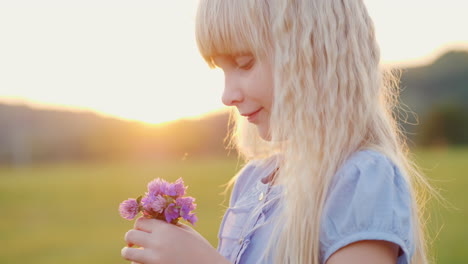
[[332, 98]]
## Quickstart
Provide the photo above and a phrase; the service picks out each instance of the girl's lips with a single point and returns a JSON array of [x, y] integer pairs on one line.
[[252, 117], [246, 115]]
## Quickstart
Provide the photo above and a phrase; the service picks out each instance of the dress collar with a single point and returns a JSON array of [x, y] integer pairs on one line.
[[268, 167]]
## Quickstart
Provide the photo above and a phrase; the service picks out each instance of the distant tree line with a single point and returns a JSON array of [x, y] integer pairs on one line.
[[437, 94], [445, 124], [37, 135]]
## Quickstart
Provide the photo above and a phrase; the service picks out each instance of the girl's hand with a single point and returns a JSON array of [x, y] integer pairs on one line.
[[164, 243]]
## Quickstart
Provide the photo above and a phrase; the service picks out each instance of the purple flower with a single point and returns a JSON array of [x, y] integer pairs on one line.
[[186, 205], [177, 189], [154, 203], [158, 187], [171, 212], [129, 209], [163, 201], [192, 218], [147, 200]]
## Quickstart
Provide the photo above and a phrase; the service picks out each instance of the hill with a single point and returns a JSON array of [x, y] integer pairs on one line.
[[437, 93], [29, 135], [443, 81]]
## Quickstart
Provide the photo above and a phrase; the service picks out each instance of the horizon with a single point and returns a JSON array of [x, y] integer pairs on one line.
[[421, 62], [123, 62]]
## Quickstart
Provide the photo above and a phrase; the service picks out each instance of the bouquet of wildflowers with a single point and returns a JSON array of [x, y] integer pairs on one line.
[[163, 201]]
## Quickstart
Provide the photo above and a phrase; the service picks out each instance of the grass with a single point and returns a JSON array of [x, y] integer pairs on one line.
[[68, 213], [447, 171]]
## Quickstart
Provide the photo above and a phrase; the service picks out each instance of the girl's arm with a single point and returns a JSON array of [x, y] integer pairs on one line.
[[164, 243], [366, 252]]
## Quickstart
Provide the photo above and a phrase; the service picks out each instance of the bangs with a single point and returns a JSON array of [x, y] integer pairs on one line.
[[232, 27]]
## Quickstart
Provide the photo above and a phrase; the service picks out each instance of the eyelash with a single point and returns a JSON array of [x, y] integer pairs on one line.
[[247, 66]]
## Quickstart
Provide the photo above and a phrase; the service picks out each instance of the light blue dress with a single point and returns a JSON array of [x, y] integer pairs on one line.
[[368, 200]]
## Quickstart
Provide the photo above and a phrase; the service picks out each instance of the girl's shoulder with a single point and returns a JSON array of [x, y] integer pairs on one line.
[[368, 199], [364, 157], [368, 166]]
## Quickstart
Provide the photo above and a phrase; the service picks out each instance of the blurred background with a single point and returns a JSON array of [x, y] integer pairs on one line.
[[99, 97]]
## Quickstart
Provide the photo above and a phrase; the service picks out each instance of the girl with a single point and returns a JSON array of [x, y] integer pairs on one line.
[[327, 177]]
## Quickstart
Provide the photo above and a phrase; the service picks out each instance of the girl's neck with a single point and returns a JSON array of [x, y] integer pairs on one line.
[[270, 178]]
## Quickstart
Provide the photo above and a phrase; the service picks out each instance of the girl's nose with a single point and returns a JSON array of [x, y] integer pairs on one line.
[[232, 93]]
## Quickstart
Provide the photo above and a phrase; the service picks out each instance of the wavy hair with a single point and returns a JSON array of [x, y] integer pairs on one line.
[[332, 97]]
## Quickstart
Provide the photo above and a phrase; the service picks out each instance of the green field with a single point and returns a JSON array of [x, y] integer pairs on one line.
[[68, 213]]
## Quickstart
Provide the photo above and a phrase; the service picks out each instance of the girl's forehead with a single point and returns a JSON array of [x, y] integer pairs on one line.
[[231, 28]]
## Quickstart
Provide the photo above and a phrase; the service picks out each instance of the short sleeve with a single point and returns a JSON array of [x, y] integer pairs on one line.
[[368, 200]]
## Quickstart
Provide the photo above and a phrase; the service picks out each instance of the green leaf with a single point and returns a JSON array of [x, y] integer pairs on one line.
[[139, 199]]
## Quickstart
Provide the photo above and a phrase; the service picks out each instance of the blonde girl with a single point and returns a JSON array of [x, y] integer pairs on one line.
[[327, 175]]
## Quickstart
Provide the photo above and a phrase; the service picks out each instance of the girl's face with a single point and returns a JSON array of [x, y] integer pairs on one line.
[[249, 87]]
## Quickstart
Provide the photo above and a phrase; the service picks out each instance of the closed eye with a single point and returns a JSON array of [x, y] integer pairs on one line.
[[245, 62]]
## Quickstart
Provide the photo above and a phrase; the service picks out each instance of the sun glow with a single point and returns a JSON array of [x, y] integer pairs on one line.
[[124, 60]]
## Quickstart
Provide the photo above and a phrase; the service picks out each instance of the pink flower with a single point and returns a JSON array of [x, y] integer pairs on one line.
[[157, 187], [155, 204], [129, 209], [164, 201]]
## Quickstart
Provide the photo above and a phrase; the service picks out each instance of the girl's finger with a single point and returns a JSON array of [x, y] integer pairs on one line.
[[183, 226], [137, 237], [138, 255], [144, 224]]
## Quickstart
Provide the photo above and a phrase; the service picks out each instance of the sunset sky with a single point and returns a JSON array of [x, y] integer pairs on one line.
[[139, 60]]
